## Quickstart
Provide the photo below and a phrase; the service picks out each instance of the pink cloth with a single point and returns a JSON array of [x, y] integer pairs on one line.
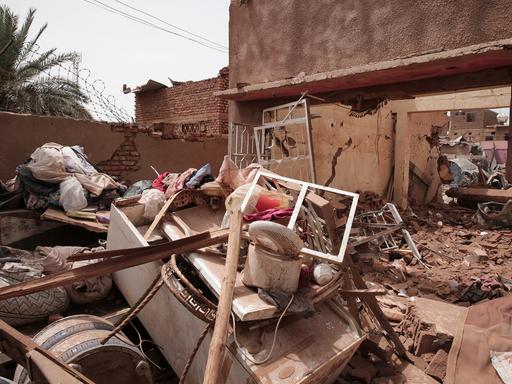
[[269, 214], [158, 183], [180, 181]]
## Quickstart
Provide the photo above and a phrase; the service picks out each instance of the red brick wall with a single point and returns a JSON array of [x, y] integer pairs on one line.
[[188, 107], [126, 157]]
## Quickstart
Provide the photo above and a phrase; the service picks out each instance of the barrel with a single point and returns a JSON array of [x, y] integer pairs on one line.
[[76, 341]]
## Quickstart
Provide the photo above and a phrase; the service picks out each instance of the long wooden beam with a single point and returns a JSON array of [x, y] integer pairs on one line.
[[127, 259], [508, 167], [217, 349], [481, 195], [42, 365]]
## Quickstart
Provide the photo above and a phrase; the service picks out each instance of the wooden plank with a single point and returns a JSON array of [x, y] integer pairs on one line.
[[508, 167], [220, 331], [42, 365], [158, 217], [373, 305], [160, 214], [363, 292], [131, 258], [57, 215], [402, 158], [481, 195]]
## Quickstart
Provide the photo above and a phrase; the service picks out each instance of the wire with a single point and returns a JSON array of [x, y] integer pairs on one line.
[[273, 339], [114, 10], [171, 25]]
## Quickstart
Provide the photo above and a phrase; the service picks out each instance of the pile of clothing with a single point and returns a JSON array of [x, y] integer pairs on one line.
[[183, 187], [57, 175]]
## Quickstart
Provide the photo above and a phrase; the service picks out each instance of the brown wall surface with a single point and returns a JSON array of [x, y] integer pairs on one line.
[[361, 150], [473, 130], [425, 129], [361, 147], [120, 150], [272, 40]]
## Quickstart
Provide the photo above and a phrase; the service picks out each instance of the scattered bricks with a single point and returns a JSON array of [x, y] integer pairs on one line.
[[476, 255], [425, 342], [437, 367], [393, 315]]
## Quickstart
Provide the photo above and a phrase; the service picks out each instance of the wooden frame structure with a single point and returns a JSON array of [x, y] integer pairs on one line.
[[304, 188]]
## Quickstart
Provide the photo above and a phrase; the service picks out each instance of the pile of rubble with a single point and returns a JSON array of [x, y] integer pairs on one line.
[[239, 253]]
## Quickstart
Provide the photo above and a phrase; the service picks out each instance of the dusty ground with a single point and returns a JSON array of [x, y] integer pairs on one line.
[[467, 264]]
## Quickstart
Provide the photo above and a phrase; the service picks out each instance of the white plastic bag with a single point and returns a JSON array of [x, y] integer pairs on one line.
[[72, 196], [153, 201]]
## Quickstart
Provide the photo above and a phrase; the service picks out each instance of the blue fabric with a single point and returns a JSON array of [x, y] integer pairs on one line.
[[195, 181]]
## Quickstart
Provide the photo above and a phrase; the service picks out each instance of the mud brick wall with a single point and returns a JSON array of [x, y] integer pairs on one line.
[[126, 151], [126, 157], [188, 109]]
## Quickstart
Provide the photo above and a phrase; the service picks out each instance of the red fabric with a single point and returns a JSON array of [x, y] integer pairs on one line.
[[266, 203], [158, 182], [269, 214]]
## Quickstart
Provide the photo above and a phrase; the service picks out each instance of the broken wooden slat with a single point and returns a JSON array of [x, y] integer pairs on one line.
[[160, 214], [363, 292], [481, 195], [133, 258], [373, 305], [42, 365], [57, 215], [220, 331]]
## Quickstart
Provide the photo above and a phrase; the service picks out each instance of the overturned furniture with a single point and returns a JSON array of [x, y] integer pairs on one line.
[[298, 350]]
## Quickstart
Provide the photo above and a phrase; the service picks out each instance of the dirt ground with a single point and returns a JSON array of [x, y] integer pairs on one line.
[[466, 264]]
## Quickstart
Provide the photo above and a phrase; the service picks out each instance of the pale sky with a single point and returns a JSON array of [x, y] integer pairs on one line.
[[121, 51], [118, 50]]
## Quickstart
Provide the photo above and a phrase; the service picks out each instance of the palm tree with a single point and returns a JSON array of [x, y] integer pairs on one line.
[[26, 85]]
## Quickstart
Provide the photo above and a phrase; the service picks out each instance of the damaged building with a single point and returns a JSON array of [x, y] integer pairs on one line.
[[309, 215]]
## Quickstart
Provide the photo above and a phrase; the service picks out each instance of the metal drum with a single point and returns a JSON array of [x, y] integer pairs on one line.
[[76, 341]]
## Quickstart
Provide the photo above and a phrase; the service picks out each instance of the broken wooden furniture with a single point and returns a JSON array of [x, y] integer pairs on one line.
[[327, 339], [42, 366], [75, 340], [480, 195]]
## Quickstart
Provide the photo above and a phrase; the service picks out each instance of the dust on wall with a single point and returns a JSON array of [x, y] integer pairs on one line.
[[353, 153], [122, 150]]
